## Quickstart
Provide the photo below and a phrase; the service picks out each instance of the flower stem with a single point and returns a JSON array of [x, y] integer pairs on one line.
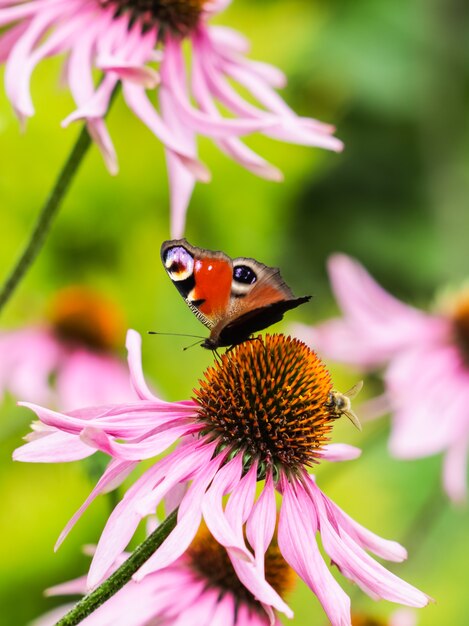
[[47, 214], [121, 576]]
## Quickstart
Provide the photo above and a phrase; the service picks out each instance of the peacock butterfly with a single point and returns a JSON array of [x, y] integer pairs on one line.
[[232, 297]]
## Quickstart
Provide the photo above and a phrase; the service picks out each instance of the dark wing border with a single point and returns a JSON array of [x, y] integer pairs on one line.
[[240, 328]]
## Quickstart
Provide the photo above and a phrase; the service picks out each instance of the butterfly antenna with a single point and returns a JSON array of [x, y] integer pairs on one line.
[[154, 332], [193, 344]]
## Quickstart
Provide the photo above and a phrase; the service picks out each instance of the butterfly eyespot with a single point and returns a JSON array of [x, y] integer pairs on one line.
[[179, 263], [244, 274]]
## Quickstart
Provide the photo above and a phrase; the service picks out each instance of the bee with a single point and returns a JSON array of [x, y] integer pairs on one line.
[[339, 404]]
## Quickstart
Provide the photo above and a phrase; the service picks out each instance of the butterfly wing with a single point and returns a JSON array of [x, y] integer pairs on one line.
[[259, 298], [202, 277], [233, 298], [241, 327]]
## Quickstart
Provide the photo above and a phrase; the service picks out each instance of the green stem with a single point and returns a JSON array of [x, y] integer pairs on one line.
[[47, 214], [121, 576]]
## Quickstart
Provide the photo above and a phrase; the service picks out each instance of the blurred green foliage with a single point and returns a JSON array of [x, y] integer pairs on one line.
[[393, 76]]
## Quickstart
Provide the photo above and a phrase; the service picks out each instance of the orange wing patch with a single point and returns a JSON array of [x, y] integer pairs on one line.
[[213, 278]]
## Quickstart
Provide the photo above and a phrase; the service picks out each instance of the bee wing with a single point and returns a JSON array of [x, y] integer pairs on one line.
[[353, 418], [355, 390]]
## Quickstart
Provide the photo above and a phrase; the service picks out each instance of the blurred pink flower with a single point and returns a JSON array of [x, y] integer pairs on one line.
[[401, 617], [212, 592], [125, 40], [426, 361], [70, 359], [263, 412]]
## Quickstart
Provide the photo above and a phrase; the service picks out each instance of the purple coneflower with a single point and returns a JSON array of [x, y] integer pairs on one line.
[[71, 358], [262, 413], [212, 593], [139, 44], [426, 361]]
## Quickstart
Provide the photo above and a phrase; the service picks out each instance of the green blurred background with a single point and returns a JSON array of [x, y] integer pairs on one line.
[[393, 76]]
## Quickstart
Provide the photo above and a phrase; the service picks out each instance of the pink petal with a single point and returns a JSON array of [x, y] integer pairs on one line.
[[260, 526], [133, 344], [56, 447], [212, 508], [455, 470], [181, 180], [115, 473], [144, 76], [148, 448], [249, 575], [386, 549], [189, 518], [172, 71], [297, 542], [232, 146], [336, 452], [140, 500], [356, 564], [138, 102]]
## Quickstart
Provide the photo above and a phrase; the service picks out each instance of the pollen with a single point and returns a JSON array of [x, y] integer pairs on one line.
[[179, 16], [209, 561], [80, 316], [270, 398]]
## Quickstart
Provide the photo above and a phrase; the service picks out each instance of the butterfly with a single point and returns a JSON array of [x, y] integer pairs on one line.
[[234, 298]]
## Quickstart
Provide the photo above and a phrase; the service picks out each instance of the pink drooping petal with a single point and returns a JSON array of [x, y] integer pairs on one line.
[[141, 500], [9, 38], [290, 127], [97, 105], [55, 447], [455, 470], [125, 70], [232, 146], [133, 344], [173, 75], [260, 526], [18, 66], [114, 474], [297, 542], [386, 549], [71, 587], [251, 578], [189, 518], [212, 508], [174, 497], [337, 452], [100, 135], [150, 447], [226, 39], [138, 102], [356, 564], [181, 179], [123, 421], [241, 502]]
